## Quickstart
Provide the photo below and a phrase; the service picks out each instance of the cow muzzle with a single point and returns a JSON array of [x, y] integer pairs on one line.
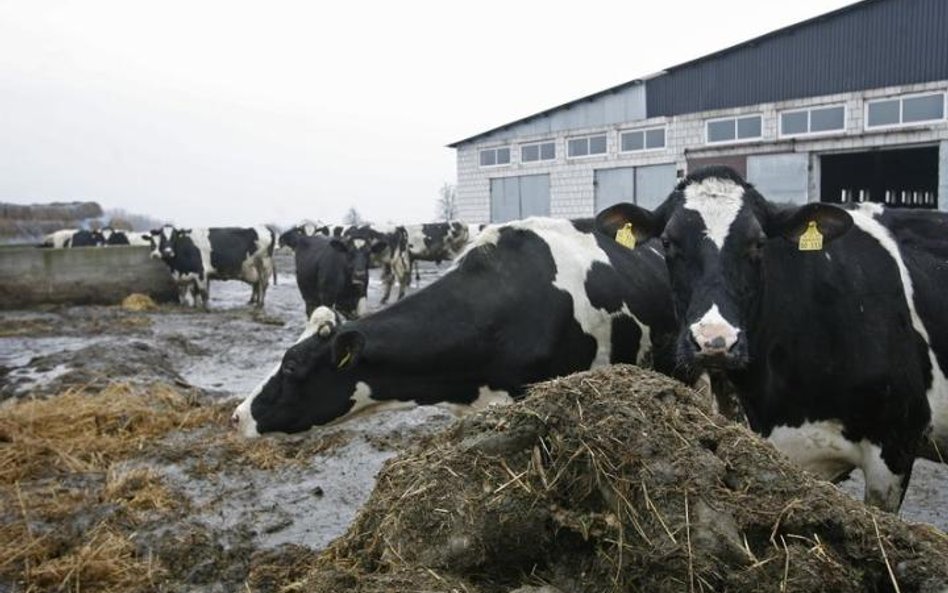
[[715, 342]]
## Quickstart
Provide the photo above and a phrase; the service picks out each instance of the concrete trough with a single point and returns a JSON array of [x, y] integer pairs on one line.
[[81, 275]]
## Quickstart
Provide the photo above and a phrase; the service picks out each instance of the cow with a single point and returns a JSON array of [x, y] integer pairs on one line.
[[84, 238], [812, 313], [112, 236], [334, 272], [197, 256], [529, 300], [58, 239], [389, 246], [436, 242]]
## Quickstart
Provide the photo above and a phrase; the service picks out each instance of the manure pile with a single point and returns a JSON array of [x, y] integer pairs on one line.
[[617, 480]]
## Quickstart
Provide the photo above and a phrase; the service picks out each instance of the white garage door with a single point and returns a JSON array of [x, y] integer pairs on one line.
[[780, 177]]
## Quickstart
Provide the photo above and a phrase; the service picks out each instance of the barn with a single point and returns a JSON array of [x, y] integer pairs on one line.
[[849, 106]]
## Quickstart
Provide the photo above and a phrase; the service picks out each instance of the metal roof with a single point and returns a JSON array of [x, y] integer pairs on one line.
[[712, 56]]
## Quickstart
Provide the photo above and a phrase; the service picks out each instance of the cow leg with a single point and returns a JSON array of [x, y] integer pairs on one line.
[[204, 290], [388, 279], [888, 471], [184, 294]]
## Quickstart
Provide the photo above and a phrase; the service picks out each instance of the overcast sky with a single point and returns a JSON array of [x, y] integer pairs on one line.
[[221, 112]]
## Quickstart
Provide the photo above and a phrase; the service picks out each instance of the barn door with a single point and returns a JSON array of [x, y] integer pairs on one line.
[[780, 177], [613, 186], [504, 199], [653, 184], [513, 198], [534, 195]]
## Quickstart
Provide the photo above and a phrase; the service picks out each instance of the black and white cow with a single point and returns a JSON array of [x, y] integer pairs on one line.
[[112, 236], [819, 320], [436, 241], [334, 272], [197, 256], [58, 239], [73, 238], [389, 246], [84, 238], [529, 300]]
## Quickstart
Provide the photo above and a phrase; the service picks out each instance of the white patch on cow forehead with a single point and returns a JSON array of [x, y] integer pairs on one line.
[[359, 243], [717, 202], [166, 231]]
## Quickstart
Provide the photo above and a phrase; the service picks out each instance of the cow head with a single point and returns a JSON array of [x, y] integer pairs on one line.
[[316, 383], [716, 230], [358, 252], [164, 240]]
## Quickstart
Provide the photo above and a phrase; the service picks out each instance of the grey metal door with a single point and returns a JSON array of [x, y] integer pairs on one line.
[[513, 198], [534, 195], [613, 186], [653, 183], [780, 177], [504, 199]]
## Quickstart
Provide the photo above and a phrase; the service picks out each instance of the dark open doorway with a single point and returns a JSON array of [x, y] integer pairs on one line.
[[906, 177]]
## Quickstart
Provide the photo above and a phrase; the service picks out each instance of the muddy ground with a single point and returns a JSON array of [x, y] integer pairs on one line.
[[235, 503]]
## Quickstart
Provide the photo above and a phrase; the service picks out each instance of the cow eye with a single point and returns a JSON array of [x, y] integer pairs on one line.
[[670, 247]]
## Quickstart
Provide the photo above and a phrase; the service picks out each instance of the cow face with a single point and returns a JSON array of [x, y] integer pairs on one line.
[[163, 242], [316, 383], [358, 252], [716, 231]]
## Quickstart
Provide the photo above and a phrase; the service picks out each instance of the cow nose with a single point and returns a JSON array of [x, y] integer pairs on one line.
[[713, 335]]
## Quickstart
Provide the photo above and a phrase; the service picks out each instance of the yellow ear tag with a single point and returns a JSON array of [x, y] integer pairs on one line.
[[625, 236], [812, 238], [344, 361]]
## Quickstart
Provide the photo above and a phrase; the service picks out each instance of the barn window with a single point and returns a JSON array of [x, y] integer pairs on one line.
[[733, 129], [901, 111], [636, 140], [586, 146], [495, 156], [819, 120], [542, 151]]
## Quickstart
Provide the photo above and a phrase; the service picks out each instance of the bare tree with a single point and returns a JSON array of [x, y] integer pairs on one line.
[[353, 218], [447, 205]]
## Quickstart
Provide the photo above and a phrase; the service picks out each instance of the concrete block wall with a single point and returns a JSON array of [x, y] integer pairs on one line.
[[82, 275], [571, 180]]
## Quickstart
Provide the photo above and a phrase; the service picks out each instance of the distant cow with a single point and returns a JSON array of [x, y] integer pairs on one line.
[[530, 300], [73, 238], [334, 272], [389, 245], [85, 238], [197, 256], [112, 236], [58, 239], [436, 242], [830, 324]]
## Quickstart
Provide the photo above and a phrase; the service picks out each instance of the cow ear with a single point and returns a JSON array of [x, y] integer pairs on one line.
[[339, 245], [347, 349], [379, 247], [809, 226], [619, 220]]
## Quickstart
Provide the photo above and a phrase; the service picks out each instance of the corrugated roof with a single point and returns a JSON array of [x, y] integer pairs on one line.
[[708, 57]]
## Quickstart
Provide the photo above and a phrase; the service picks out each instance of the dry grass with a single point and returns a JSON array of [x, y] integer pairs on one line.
[[72, 502], [78, 432], [139, 302]]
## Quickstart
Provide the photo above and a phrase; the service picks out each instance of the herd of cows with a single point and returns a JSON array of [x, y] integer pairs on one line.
[[829, 323]]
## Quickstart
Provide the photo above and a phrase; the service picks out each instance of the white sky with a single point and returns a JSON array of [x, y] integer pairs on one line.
[[213, 113]]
